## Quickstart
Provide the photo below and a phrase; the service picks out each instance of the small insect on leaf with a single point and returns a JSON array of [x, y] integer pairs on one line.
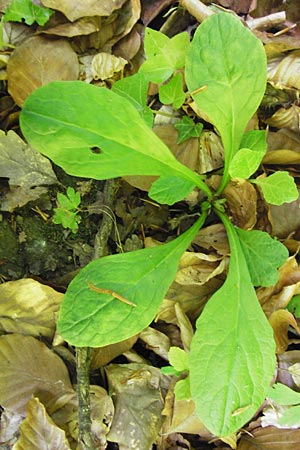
[[92, 287], [96, 150], [240, 410]]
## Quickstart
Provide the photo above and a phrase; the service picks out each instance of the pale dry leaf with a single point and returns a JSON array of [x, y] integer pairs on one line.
[[29, 368], [105, 65], [286, 118], [156, 341], [103, 355], [213, 238], [84, 8], [211, 152], [38, 431], [38, 61], [29, 307], [10, 424], [81, 27], [280, 321], [185, 326], [185, 419], [295, 372], [285, 361], [284, 71], [23, 165], [198, 268], [137, 394]]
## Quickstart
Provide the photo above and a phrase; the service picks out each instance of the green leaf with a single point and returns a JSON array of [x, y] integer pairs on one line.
[[19, 10], [89, 318], [229, 63], [172, 92], [178, 359], [290, 417], [263, 254], [135, 89], [169, 190], [187, 128], [278, 188], [232, 357], [69, 201], [283, 395], [255, 140], [244, 163], [164, 55], [294, 306], [93, 132], [182, 389]]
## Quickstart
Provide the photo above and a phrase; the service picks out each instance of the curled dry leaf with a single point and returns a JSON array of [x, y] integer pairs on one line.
[[84, 8], [28, 307], [241, 199], [185, 326], [39, 432], [277, 297], [103, 355], [105, 65], [286, 118], [81, 27], [198, 268], [211, 152], [29, 368], [37, 62], [156, 341], [283, 72], [280, 321]]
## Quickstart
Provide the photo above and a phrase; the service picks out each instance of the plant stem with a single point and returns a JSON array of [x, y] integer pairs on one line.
[[83, 361], [197, 9]]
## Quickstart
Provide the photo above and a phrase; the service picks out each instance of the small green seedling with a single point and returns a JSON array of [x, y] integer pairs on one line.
[[66, 212], [232, 357], [285, 396]]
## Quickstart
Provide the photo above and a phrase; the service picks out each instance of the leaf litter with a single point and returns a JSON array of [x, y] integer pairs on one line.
[[34, 382]]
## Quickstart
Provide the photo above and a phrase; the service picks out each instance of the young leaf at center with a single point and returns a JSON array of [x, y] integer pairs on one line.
[[232, 356], [93, 319]]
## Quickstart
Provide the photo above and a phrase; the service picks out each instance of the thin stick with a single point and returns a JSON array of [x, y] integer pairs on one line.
[[83, 361], [92, 287]]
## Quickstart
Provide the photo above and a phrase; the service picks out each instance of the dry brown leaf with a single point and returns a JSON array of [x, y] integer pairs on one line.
[[283, 72], [290, 226], [185, 326], [184, 419], [198, 268], [38, 431], [103, 355], [65, 415], [81, 27], [286, 118], [156, 341], [37, 62], [137, 389], [129, 45], [84, 8], [29, 368], [270, 438], [280, 321], [241, 199], [285, 361], [211, 152], [10, 424], [213, 237], [28, 307]]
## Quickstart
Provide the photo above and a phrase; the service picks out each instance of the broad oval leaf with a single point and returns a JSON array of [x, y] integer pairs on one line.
[[229, 63], [169, 190], [90, 318], [93, 132], [278, 188], [244, 163], [232, 358], [263, 254]]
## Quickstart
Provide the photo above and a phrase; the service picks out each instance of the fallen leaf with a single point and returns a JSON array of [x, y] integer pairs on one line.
[[283, 72], [23, 165], [280, 321], [84, 8], [105, 65], [198, 268], [38, 431], [38, 61], [28, 307], [156, 341], [285, 118], [213, 237], [137, 395], [290, 226], [270, 438], [29, 368], [241, 199], [103, 355]]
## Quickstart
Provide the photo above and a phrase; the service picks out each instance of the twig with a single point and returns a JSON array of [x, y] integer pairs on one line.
[[83, 362], [102, 236], [266, 22], [197, 9]]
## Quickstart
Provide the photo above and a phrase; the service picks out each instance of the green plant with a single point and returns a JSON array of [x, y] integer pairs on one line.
[[66, 212], [24, 11], [97, 133]]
